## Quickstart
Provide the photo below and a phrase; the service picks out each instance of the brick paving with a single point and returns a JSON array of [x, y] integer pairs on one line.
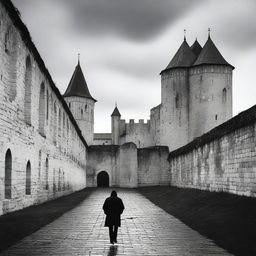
[[146, 230]]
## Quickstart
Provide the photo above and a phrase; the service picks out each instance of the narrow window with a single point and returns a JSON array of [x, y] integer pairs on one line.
[[54, 123], [7, 40], [8, 175], [42, 110], [54, 181], [28, 79], [177, 101], [85, 108], [224, 95], [46, 174], [59, 123], [28, 179], [82, 113], [216, 117], [39, 164], [59, 176], [69, 105]]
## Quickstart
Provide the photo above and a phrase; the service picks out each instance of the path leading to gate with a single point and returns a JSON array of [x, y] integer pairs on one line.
[[146, 230]]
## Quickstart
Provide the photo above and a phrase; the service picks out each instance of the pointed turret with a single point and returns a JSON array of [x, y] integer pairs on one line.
[[196, 48], [116, 112], [81, 103], [77, 85], [210, 55], [115, 126], [183, 58]]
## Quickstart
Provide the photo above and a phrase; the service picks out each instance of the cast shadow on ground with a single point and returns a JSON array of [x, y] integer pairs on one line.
[[112, 251]]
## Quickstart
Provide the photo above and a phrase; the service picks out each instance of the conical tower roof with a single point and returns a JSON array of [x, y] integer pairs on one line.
[[183, 58], [116, 112], [77, 85], [196, 48], [210, 55]]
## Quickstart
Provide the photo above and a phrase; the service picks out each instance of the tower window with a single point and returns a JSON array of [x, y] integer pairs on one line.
[[177, 101], [85, 107], [224, 95], [82, 113], [216, 117], [42, 110]]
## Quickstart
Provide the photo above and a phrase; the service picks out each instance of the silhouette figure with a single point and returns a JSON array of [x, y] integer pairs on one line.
[[113, 208]]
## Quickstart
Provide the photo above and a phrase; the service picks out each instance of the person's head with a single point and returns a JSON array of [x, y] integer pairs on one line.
[[113, 193]]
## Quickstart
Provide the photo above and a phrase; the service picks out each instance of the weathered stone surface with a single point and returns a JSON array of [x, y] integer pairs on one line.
[[45, 148], [145, 230]]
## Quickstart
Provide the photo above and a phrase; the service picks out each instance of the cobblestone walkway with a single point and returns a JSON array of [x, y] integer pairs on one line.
[[146, 230]]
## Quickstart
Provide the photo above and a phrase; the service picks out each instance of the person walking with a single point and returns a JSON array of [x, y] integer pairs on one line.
[[113, 208]]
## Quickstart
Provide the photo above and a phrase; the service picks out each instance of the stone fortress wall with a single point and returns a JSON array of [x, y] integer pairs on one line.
[[138, 133], [223, 159], [42, 153], [128, 166]]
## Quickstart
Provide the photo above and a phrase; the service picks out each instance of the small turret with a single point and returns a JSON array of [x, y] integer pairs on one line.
[[115, 126], [81, 103]]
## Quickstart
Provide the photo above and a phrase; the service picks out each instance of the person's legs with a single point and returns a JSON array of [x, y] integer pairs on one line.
[[115, 233], [111, 233]]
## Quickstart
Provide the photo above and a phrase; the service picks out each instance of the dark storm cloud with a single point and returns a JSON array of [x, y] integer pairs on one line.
[[134, 19]]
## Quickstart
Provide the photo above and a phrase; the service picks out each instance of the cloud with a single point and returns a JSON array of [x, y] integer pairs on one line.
[[134, 19]]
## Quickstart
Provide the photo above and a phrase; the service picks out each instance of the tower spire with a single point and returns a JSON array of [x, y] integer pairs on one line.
[[209, 32], [78, 57], [185, 34]]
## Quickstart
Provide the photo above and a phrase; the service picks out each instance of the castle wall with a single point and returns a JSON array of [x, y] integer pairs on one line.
[[223, 159], [155, 124], [174, 111], [83, 112], [42, 153], [102, 158], [138, 133], [153, 166], [128, 166], [210, 98]]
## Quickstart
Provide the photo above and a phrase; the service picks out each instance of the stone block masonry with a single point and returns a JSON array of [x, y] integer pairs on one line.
[[42, 153], [128, 166], [223, 159]]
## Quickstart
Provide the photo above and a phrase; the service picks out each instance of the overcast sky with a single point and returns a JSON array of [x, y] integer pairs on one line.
[[125, 44]]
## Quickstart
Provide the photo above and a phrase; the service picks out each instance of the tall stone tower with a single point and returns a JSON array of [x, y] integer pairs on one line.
[[115, 126], [174, 116], [81, 103], [210, 101]]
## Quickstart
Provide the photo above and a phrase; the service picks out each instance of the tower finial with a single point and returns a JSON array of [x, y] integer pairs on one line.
[[78, 55], [115, 104], [185, 34], [209, 32]]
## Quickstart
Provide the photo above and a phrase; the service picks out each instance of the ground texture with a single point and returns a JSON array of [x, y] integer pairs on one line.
[[227, 219], [146, 230]]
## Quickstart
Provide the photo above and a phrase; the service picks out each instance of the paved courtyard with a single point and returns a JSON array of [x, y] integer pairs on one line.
[[146, 230]]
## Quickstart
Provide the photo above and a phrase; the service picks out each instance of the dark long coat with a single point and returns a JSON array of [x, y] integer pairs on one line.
[[113, 208]]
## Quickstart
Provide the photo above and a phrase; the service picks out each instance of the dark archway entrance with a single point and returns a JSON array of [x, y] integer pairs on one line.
[[103, 179]]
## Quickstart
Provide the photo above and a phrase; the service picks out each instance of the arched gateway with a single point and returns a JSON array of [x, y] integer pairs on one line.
[[102, 179]]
